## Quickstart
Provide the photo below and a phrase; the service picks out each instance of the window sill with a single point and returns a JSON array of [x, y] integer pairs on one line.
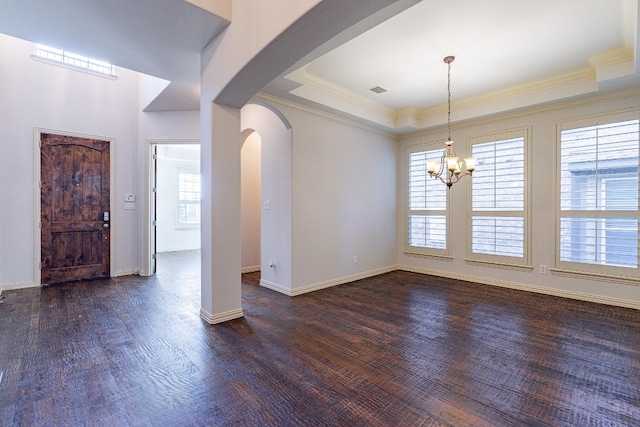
[[504, 265], [430, 256], [627, 280], [186, 227]]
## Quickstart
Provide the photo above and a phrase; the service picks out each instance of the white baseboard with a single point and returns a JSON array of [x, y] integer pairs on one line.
[[275, 287], [213, 319], [17, 285], [326, 284], [600, 299], [128, 272], [251, 269]]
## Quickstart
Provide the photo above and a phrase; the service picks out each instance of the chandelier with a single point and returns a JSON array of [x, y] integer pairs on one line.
[[450, 168]]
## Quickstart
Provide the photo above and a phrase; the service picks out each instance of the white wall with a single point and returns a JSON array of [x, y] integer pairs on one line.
[[251, 202], [343, 195], [40, 95], [542, 199]]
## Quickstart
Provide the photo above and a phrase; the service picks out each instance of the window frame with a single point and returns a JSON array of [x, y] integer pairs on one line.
[[180, 225], [420, 250], [583, 269], [70, 60], [493, 260]]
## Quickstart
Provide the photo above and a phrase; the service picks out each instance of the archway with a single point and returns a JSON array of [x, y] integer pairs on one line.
[[275, 203]]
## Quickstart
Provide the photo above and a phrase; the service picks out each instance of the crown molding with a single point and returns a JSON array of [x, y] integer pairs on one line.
[[604, 66], [278, 101]]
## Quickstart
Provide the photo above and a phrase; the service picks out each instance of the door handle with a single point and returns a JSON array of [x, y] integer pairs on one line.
[[105, 225]]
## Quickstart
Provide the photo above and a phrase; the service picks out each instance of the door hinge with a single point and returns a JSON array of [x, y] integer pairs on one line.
[[154, 223], [40, 143], [40, 184], [153, 256], [154, 190], [40, 266], [154, 156], [40, 225]]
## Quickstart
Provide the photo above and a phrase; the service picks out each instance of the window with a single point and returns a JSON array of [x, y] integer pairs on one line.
[[427, 204], [188, 199], [499, 199], [598, 189], [73, 60]]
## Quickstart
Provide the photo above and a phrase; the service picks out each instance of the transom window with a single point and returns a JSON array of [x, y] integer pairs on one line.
[[73, 60], [598, 190], [427, 205], [499, 200]]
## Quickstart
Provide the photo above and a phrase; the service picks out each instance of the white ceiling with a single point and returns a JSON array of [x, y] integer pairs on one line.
[[162, 38], [509, 54]]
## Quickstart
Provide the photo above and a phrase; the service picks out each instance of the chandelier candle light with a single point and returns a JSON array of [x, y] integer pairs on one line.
[[449, 169]]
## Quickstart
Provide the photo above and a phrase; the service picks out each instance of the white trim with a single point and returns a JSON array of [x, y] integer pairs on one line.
[[275, 287], [523, 262], [17, 285], [326, 284], [600, 299], [585, 270], [213, 319], [37, 132], [419, 250], [251, 269]]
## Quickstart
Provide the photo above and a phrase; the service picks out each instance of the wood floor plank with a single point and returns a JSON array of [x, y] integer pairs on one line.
[[400, 349]]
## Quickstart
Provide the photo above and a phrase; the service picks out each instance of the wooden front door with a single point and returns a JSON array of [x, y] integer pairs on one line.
[[75, 211]]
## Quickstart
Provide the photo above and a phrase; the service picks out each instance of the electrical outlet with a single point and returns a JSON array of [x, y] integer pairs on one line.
[[543, 269], [355, 259]]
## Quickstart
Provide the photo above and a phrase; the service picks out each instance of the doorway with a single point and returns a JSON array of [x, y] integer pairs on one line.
[[175, 205], [75, 214]]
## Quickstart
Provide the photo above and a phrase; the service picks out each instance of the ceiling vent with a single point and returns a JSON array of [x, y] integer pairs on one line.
[[378, 89]]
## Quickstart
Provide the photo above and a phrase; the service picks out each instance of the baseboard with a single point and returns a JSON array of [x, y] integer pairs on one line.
[[213, 319], [275, 287], [128, 272], [17, 285], [251, 269], [600, 299], [326, 284]]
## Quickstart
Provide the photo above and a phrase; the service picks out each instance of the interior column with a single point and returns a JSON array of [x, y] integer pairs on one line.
[[220, 214]]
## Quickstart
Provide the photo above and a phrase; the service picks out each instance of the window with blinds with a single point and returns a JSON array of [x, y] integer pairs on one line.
[[188, 199], [427, 202], [598, 188], [498, 220]]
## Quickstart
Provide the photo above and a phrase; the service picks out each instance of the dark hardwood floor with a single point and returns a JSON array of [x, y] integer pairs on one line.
[[397, 349]]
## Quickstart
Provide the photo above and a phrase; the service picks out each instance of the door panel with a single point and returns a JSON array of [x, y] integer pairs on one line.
[[74, 196]]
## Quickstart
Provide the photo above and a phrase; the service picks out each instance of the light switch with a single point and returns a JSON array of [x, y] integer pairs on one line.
[[129, 206]]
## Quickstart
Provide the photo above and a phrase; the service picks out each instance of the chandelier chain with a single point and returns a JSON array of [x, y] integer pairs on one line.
[[449, 99]]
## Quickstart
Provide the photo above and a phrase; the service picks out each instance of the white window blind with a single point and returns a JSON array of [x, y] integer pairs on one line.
[[599, 194], [498, 201], [427, 206]]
